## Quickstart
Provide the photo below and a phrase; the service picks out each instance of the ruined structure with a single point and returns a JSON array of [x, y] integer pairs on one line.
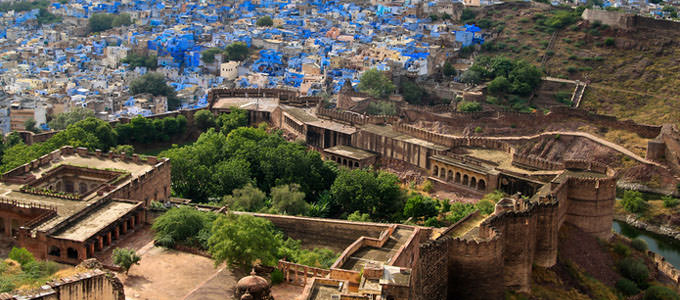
[[252, 287], [70, 204]]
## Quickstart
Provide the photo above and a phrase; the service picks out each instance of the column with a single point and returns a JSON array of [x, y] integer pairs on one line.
[[108, 238], [132, 223], [100, 241], [91, 247], [116, 232], [82, 253], [125, 224]]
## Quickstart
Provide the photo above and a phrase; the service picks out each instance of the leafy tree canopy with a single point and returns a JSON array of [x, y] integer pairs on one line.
[[376, 84]]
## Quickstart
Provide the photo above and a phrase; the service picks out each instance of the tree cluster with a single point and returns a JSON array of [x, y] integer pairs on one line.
[[144, 130], [147, 61], [237, 51], [102, 22], [62, 120], [155, 84], [265, 21], [376, 84]]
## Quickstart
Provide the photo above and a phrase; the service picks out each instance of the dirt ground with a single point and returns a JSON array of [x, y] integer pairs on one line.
[[287, 291], [166, 274]]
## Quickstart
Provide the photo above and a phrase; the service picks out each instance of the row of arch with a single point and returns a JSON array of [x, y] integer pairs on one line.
[[345, 162], [460, 178]]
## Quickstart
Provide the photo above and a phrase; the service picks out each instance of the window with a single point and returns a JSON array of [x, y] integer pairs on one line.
[[72, 253], [54, 251]]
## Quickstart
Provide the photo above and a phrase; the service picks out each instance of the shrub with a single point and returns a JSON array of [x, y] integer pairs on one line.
[[478, 129], [469, 106], [277, 277], [427, 186], [633, 202], [181, 225], [265, 21], [670, 202], [627, 287], [634, 270], [433, 222], [639, 244], [660, 293], [21, 255], [609, 42], [6, 285], [621, 249], [485, 206]]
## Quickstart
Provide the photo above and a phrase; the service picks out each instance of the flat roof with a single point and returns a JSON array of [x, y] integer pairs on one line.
[[388, 131], [334, 126], [299, 114], [484, 169], [350, 152], [96, 221], [249, 103]]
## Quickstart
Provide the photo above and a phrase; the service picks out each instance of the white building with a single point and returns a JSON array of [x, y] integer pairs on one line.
[[229, 70]]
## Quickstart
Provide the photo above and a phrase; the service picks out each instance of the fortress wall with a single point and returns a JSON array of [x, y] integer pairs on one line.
[[646, 22], [335, 234], [546, 234], [427, 279], [535, 162], [519, 237], [611, 18], [475, 269], [591, 205], [91, 285]]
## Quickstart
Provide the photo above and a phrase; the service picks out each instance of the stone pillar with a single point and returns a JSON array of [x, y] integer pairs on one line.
[[132, 222], [116, 233], [108, 238], [100, 242], [82, 253], [125, 226], [91, 247]]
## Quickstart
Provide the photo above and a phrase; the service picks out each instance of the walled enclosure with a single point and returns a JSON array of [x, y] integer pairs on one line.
[[90, 285]]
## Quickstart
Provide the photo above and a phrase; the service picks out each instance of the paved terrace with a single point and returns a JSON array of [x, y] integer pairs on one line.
[[382, 255]]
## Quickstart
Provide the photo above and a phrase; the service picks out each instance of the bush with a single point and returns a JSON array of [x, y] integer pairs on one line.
[[265, 21], [21, 255], [181, 225], [277, 277], [478, 129], [634, 270], [485, 206], [609, 42], [621, 249], [125, 258], [633, 202], [427, 186], [469, 106], [627, 287], [670, 202], [660, 293], [639, 244], [6, 285], [37, 269]]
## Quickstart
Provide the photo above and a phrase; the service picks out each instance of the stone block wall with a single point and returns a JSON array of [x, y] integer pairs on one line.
[[476, 269], [590, 205], [91, 285], [428, 279]]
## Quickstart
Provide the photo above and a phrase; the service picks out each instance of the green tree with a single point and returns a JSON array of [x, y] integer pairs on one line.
[[248, 198], [21, 255], [634, 270], [459, 210], [418, 206], [29, 125], [633, 202], [448, 69], [125, 258], [357, 216], [670, 202], [181, 226], [46, 17], [147, 61], [123, 19], [127, 149], [100, 22], [499, 85], [208, 55], [381, 108], [243, 239], [265, 21], [204, 119], [376, 84], [375, 193], [228, 175], [155, 84], [62, 120], [469, 106], [412, 92], [237, 51], [289, 200], [234, 119], [485, 206]]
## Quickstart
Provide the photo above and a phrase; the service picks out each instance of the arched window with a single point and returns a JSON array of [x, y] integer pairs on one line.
[[72, 253], [457, 177], [54, 251], [449, 175], [356, 164], [481, 185], [435, 171], [465, 179], [473, 182], [442, 173]]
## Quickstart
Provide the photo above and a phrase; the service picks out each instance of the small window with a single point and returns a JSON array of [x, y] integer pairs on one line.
[[55, 251], [72, 253]]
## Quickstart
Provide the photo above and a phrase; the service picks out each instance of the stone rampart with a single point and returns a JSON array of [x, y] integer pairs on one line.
[[427, 277], [90, 285], [476, 268], [533, 162], [611, 18]]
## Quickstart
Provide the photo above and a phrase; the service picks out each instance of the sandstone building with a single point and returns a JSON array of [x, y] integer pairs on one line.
[[70, 204]]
